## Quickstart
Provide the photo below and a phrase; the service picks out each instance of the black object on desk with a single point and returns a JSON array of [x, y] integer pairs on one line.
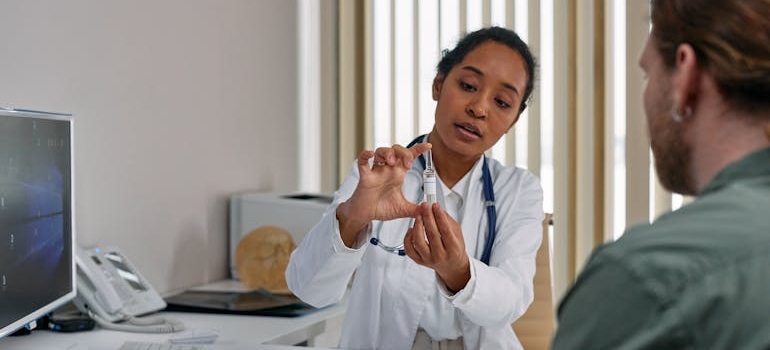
[[257, 302]]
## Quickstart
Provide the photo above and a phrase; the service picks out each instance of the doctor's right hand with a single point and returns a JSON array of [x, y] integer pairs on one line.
[[379, 194]]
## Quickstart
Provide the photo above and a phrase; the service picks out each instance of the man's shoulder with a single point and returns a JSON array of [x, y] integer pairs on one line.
[[728, 217], [687, 245], [698, 228]]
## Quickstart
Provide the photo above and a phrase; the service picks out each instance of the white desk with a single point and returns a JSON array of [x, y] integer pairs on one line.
[[235, 331]]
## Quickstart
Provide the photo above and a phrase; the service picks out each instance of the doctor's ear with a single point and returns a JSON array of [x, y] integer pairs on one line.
[[438, 82]]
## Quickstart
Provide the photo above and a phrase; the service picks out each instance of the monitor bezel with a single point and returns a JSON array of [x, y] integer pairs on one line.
[[28, 319]]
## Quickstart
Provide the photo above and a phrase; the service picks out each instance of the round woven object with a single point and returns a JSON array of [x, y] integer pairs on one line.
[[261, 258]]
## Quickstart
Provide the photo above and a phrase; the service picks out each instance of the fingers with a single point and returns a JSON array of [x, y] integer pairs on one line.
[[436, 239], [363, 157], [416, 248], [399, 155], [404, 156], [419, 149], [383, 156], [363, 160], [423, 242], [443, 223], [432, 233], [389, 156]]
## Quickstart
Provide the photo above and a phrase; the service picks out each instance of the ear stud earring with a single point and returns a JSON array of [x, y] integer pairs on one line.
[[679, 117]]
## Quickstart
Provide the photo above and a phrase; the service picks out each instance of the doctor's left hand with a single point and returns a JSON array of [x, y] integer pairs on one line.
[[436, 241]]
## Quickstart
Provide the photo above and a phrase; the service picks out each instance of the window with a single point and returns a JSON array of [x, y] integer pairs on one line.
[[583, 129]]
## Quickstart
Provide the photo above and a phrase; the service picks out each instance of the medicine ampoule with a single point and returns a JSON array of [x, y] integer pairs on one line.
[[429, 179]]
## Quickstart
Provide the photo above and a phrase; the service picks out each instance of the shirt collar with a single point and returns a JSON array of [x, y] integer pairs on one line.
[[755, 164]]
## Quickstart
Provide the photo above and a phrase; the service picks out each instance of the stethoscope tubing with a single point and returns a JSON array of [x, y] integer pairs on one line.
[[489, 203]]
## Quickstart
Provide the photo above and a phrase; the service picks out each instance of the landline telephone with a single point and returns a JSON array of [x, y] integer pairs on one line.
[[112, 292]]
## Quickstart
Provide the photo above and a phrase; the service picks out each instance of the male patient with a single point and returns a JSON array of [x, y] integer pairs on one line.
[[699, 277]]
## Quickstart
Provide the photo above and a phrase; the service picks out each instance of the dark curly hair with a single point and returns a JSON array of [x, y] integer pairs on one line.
[[507, 37]]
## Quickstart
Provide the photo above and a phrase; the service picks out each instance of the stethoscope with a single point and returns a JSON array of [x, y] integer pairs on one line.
[[489, 203]]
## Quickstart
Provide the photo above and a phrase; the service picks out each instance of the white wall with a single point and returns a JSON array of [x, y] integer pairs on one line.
[[178, 104]]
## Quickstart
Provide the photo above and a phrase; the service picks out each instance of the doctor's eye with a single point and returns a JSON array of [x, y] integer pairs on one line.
[[467, 87]]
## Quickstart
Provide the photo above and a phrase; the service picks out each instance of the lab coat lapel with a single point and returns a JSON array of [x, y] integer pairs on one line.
[[418, 282], [474, 220]]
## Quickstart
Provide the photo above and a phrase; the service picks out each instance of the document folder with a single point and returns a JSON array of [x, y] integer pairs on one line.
[[257, 302]]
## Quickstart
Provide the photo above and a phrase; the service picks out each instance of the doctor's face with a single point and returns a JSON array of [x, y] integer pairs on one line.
[[478, 100]]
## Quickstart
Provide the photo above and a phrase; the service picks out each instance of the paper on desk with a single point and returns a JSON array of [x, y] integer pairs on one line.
[[228, 285]]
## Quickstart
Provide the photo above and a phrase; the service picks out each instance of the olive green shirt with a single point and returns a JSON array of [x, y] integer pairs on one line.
[[697, 278]]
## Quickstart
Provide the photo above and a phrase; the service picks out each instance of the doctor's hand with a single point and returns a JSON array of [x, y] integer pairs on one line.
[[379, 194], [436, 241]]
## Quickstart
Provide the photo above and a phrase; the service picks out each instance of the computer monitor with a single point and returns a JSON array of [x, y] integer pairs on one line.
[[37, 230]]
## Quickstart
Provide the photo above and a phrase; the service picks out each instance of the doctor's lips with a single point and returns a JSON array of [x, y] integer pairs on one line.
[[469, 128]]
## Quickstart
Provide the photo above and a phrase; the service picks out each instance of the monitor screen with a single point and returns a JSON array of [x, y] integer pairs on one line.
[[37, 231]]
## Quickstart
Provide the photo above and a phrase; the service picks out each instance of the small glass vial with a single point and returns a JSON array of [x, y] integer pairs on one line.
[[429, 179]]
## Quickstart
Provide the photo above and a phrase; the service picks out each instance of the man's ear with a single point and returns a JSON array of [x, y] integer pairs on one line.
[[438, 82], [686, 81]]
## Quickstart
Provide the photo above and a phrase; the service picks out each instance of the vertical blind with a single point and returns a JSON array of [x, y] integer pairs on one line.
[[584, 132]]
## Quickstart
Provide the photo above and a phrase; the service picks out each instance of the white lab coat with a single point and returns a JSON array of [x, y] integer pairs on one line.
[[389, 292]]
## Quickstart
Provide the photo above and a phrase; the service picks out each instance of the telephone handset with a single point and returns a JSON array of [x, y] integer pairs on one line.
[[115, 294]]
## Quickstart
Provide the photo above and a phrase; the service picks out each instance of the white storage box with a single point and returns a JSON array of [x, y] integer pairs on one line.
[[296, 213]]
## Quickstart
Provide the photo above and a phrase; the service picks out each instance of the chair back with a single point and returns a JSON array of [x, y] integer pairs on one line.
[[536, 327]]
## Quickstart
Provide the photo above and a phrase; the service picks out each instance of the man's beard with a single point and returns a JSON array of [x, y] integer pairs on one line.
[[673, 158]]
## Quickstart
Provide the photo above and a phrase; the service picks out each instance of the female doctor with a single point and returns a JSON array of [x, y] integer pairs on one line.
[[424, 276]]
